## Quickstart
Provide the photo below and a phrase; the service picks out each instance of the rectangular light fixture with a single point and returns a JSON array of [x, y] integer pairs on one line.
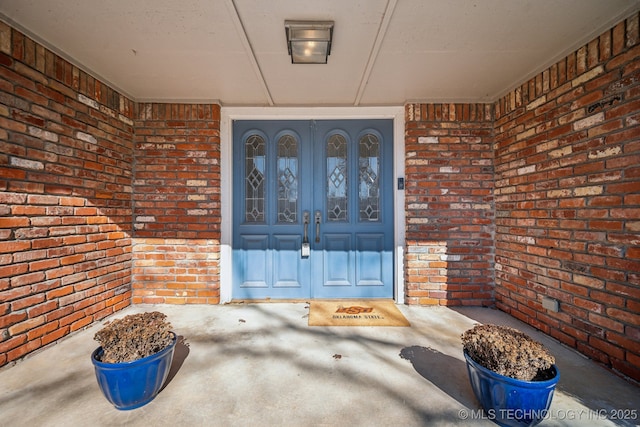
[[309, 42]]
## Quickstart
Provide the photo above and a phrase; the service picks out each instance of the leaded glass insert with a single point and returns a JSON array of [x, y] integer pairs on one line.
[[337, 178], [254, 178], [368, 177], [287, 162]]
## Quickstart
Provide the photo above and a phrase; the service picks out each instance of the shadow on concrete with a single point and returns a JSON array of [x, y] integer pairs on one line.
[[261, 364], [180, 354], [445, 372], [339, 345]]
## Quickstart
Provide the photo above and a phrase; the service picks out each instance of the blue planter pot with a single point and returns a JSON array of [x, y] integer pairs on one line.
[[129, 385], [508, 401]]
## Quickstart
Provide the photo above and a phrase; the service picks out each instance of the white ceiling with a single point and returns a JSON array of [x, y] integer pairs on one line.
[[385, 52]]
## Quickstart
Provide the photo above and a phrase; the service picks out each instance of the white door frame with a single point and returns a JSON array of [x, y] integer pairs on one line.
[[229, 114]]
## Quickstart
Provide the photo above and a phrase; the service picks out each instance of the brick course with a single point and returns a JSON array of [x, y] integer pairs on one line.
[[567, 199], [449, 204], [66, 154], [176, 214]]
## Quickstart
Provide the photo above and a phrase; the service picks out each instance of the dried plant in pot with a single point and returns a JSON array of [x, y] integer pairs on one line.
[[512, 375], [134, 358]]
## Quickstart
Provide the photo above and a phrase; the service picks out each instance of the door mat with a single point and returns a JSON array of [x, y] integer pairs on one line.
[[355, 313]]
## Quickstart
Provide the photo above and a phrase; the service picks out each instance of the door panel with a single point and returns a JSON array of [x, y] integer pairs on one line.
[[336, 173], [285, 272], [254, 265], [370, 260], [354, 169], [337, 260]]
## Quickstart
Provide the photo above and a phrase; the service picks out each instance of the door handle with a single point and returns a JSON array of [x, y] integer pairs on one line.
[[305, 250], [318, 220], [305, 218]]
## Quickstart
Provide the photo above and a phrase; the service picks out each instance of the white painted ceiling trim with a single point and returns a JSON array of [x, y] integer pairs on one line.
[[384, 25], [237, 21]]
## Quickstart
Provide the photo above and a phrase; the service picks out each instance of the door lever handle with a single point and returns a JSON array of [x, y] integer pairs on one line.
[[318, 220]]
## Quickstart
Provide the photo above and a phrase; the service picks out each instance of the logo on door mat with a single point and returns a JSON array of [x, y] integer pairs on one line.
[[355, 313], [354, 309]]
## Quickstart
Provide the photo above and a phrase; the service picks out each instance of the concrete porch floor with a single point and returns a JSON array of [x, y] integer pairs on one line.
[[260, 364]]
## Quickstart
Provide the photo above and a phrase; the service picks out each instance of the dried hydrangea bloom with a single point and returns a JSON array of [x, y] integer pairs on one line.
[[134, 336], [508, 352]]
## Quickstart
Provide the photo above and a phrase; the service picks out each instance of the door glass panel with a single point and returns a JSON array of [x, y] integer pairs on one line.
[[368, 177], [337, 178], [287, 161], [254, 178]]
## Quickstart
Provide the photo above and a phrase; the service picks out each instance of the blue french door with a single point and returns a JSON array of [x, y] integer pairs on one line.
[[312, 209]]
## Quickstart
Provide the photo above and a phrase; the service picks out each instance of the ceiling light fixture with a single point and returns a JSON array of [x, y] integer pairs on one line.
[[309, 42]]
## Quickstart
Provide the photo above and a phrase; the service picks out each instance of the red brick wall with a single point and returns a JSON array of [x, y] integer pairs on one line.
[[565, 223], [568, 199], [449, 204], [66, 156], [176, 250]]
